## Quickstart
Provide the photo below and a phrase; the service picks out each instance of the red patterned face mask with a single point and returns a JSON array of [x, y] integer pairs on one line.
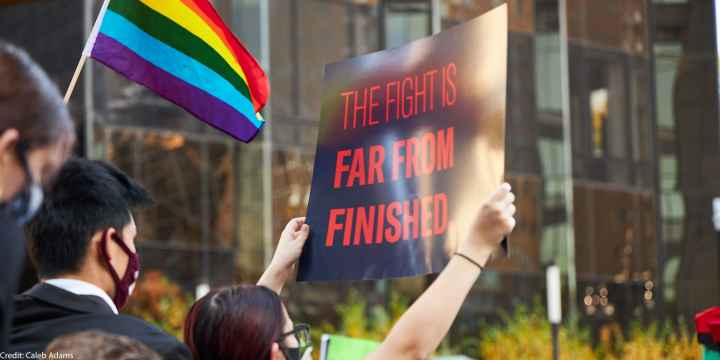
[[125, 285]]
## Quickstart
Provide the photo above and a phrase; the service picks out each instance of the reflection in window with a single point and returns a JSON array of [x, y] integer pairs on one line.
[[547, 72], [405, 21], [672, 266], [552, 246], [671, 200], [553, 169], [667, 56], [672, 204], [599, 114]]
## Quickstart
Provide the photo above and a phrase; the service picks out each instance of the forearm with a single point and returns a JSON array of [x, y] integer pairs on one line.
[[274, 278], [421, 329], [286, 255]]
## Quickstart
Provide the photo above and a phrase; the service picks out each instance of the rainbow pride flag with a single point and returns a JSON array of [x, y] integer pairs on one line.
[[182, 50]]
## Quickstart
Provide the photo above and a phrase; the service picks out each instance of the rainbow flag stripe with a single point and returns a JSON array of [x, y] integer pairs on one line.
[[182, 50]]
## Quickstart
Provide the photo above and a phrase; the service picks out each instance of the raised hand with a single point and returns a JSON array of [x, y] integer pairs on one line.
[[494, 220], [291, 243], [286, 255]]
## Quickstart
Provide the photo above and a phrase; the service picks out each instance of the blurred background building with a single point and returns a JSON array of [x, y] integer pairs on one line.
[[613, 141]]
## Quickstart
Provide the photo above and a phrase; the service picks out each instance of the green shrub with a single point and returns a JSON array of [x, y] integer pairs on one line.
[[161, 302], [357, 321], [655, 342], [526, 334]]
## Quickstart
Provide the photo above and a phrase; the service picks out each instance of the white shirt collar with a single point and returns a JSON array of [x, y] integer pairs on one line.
[[79, 287]]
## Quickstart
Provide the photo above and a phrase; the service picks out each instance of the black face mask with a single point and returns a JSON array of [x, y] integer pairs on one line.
[[295, 353], [301, 332], [26, 203]]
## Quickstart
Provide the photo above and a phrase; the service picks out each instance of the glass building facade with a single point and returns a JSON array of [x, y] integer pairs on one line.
[[612, 133]]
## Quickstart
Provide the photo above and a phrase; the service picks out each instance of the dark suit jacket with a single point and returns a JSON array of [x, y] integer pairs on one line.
[[12, 253], [45, 312]]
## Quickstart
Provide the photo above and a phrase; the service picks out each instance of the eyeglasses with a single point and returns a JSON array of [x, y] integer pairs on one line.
[[301, 332]]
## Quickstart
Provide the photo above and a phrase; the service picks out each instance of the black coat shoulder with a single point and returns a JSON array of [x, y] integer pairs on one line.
[[164, 344], [12, 253], [37, 324]]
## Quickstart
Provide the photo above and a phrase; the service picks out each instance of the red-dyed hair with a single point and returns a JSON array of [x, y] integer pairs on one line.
[[239, 323]]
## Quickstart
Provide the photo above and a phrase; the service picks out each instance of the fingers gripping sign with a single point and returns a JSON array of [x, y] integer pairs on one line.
[[494, 220], [291, 243], [287, 253]]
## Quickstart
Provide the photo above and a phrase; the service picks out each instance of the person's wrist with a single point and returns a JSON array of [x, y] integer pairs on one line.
[[481, 258], [469, 260], [479, 253], [279, 269]]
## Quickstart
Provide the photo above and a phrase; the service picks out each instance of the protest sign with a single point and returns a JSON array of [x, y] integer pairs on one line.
[[337, 347], [411, 142]]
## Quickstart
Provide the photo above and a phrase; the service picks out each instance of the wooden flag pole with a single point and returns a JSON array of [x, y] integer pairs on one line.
[[87, 49], [76, 75]]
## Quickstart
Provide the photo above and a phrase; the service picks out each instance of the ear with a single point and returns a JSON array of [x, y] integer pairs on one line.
[[275, 353], [8, 139], [95, 258], [107, 233], [97, 240]]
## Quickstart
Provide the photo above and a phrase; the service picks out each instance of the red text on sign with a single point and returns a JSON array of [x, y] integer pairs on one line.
[[412, 219]]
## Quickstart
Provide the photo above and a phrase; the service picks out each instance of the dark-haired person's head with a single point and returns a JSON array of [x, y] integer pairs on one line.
[[36, 132], [98, 345], [85, 228], [245, 322]]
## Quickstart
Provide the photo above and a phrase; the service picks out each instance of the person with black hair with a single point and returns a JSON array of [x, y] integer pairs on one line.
[[36, 137], [98, 345], [82, 245]]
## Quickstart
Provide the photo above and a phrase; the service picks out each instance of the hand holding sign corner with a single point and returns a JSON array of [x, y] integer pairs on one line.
[[494, 220], [288, 251]]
